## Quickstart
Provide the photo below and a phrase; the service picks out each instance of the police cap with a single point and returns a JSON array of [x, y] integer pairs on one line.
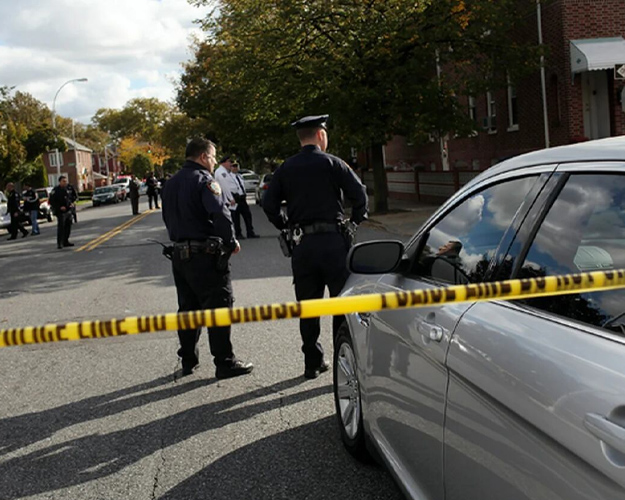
[[318, 121]]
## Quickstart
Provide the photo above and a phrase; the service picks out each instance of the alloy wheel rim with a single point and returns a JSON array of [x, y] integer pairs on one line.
[[348, 390]]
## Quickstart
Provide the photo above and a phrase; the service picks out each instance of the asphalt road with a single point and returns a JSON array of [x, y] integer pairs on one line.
[[112, 419]]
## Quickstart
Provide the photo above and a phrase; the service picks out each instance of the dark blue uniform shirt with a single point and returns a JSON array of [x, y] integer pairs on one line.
[[194, 208], [313, 184]]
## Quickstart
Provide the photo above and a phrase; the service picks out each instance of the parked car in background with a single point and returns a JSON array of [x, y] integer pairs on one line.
[[507, 399], [143, 189], [45, 211], [262, 186], [250, 181], [107, 194], [124, 182], [5, 217]]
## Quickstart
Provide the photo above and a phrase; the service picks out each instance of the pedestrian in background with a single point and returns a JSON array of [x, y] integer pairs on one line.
[[31, 207], [73, 198], [313, 183], [243, 209], [133, 187], [13, 207], [152, 192], [198, 222], [60, 201], [228, 185]]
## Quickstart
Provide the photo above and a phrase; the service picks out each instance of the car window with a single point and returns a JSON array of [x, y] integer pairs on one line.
[[460, 247], [583, 231]]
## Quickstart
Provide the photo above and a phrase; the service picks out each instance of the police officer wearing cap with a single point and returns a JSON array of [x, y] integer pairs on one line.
[[199, 223], [313, 184]]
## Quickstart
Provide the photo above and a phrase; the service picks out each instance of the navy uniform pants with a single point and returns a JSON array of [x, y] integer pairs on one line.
[[319, 261], [63, 227], [200, 285], [243, 210]]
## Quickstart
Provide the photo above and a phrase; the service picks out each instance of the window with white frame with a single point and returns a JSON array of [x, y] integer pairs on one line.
[[490, 122], [53, 156], [513, 109], [472, 109]]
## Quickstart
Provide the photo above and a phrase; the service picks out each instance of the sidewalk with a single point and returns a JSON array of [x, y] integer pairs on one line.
[[404, 217]]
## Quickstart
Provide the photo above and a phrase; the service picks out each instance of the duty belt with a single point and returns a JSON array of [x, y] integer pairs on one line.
[[210, 246], [320, 227]]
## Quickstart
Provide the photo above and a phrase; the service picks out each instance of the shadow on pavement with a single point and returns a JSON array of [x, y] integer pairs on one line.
[[304, 462], [95, 456]]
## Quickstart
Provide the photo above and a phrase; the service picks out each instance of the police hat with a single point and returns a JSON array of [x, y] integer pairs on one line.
[[318, 121], [224, 159]]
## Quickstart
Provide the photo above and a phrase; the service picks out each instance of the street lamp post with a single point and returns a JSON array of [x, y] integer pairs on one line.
[[56, 151]]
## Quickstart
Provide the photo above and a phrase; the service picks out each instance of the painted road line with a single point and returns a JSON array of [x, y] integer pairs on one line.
[[91, 245]]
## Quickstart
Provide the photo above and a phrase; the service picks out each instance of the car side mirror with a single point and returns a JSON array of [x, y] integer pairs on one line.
[[375, 257]]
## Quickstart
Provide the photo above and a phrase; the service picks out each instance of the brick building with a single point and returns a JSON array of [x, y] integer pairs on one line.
[[75, 164], [106, 167], [585, 45]]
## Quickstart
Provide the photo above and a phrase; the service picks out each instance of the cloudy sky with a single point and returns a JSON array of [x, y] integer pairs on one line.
[[126, 48]]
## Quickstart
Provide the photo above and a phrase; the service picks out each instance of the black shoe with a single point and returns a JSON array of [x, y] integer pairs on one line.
[[24, 234], [68, 244], [60, 247], [315, 372], [253, 235], [188, 368], [240, 237], [234, 369], [12, 238]]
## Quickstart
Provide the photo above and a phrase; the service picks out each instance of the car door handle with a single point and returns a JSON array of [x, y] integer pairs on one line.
[[364, 319], [430, 330], [608, 432]]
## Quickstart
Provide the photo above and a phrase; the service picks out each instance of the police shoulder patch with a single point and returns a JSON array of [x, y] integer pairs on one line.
[[214, 187], [223, 174]]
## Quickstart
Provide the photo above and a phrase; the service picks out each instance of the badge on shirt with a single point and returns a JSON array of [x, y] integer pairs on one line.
[[214, 188]]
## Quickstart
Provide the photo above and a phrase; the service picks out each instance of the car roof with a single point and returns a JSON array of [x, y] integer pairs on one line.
[[610, 149]]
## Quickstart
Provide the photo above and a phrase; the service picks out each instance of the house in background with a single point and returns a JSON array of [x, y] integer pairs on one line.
[[585, 98], [75, 164], [106, 166]]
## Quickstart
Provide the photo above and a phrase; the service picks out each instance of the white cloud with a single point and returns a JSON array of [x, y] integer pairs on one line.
[[126, 48]]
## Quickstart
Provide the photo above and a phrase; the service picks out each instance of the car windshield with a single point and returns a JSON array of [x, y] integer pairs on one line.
[[250, 177], [42, 194], [267, 178], [106, 189]]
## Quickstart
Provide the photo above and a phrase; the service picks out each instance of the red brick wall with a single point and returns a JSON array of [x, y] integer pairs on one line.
[[562, 21]]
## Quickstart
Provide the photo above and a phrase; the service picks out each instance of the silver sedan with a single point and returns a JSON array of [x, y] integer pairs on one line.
[[507, 399]]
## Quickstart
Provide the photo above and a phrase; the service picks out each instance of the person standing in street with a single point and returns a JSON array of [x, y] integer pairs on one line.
[[31, 207], [13, 207], [313, 184], [60, 201], [73, 198], [198, 223], [152, 185], [243, 209], [133, 187], [227, 183]]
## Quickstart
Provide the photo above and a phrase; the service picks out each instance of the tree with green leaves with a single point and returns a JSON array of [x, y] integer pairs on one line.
[[379, 68], [141, 165]]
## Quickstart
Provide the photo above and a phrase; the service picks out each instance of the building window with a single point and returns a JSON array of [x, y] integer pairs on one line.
[[490, 122], [556, 119], [53, 159], [513, 109]]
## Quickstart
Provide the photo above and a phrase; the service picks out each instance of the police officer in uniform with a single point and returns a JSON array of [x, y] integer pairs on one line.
[[313, 184], [198, 222], [15, 211], [61, 203]]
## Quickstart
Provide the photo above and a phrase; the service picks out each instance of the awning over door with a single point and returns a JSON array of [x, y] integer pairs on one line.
[[595, 54]]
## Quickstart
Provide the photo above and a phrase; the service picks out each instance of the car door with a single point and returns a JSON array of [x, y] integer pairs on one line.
[[536, 398], [407, 377]]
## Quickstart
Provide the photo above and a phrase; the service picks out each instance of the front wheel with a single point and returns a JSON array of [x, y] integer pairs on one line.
[[347, 396]]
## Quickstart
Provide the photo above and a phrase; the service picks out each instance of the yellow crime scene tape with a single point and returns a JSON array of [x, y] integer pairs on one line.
[[508, 290]]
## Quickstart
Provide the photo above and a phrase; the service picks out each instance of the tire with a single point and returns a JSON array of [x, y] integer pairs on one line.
[[347, 400]]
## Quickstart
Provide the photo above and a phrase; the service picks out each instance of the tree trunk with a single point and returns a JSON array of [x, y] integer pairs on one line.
[[380, 188]]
